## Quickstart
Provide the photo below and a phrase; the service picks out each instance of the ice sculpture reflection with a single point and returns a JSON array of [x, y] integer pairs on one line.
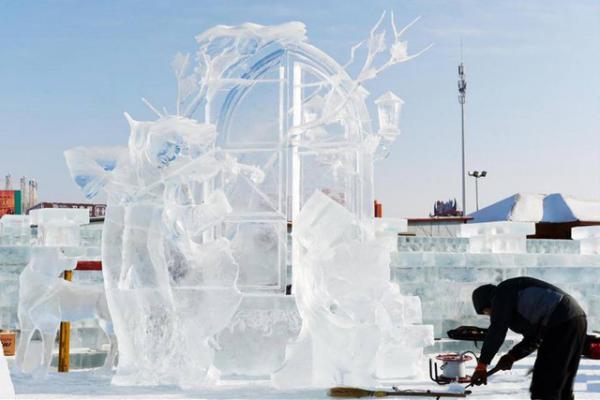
[[198, 211]]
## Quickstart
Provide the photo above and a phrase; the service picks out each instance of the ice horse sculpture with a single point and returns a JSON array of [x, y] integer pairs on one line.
[[200, 200], [45, 298]]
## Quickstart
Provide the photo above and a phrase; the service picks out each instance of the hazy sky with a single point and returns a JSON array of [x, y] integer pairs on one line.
[[68, 70]]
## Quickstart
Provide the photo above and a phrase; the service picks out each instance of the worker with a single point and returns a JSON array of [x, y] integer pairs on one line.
[[551, 322]]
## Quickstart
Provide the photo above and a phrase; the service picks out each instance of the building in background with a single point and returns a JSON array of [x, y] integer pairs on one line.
[[10, 202], [554, 214]]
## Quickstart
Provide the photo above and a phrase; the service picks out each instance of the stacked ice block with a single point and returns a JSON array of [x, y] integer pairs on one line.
[[444, 271], [497, 237], [588, 238], [15, 238]]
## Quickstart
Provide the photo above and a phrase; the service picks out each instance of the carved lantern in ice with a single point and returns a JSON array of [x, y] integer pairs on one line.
[[389, 107]]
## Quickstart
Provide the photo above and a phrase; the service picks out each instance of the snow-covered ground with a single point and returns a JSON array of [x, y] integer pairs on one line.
[[88, 384]]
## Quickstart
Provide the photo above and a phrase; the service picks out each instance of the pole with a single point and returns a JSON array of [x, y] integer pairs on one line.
[[64, 337], [462, 123], [477, 192], [462, 94]]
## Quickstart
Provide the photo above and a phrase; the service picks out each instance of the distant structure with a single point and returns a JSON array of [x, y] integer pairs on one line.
[[446, 209], [20, 200], [462, 94], [29, 193]]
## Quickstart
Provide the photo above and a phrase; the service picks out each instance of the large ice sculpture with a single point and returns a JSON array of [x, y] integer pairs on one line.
[[45, 298], [200, 200]]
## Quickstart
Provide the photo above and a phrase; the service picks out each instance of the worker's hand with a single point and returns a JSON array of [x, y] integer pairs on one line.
[[506, 362], [480, 375]]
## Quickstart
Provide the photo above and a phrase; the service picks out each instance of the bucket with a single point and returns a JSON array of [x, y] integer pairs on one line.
[[9, 342]]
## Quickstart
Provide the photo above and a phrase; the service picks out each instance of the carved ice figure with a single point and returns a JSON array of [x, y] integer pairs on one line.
[[46, 299], [169, 274], [199, 202], [356, 327]]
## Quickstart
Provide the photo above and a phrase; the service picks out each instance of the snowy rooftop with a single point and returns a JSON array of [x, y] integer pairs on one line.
[[533, 207]]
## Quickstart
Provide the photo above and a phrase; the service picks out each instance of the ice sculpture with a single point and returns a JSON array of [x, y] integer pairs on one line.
[[356, 326], [199, 201], [45, 298]]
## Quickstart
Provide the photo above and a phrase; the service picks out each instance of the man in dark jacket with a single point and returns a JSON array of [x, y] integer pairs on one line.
[[550, 321]]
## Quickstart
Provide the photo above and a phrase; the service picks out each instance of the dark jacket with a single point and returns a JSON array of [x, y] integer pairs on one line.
[[527, 306]]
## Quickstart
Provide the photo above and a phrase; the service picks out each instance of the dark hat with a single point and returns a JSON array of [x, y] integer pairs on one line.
[[482, 297]]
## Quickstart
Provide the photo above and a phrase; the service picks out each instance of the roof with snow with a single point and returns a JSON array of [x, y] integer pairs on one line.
[[533, 207]]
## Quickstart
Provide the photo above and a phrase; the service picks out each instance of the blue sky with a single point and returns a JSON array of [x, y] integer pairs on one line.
[[68, 70]]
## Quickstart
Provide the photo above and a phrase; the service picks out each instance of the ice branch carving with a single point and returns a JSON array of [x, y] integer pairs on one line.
[[375, 45]]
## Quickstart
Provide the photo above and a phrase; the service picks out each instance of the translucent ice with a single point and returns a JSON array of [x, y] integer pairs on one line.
[[199, 203], [59, 226], [7, 391], [353, 319], [497, 228], [15, 230], [497, 237], [45, 298]]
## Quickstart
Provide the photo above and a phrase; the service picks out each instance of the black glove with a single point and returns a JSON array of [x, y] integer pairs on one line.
[[480, 375], [506, 362]]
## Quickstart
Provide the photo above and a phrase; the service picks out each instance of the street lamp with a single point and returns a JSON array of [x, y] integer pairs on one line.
[[477, 175]]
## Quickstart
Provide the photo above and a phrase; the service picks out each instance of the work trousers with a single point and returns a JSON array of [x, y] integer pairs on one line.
[[558, 360]]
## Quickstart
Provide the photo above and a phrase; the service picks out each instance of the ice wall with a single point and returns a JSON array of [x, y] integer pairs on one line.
[[497, 237], [443, 272], [15, 250]]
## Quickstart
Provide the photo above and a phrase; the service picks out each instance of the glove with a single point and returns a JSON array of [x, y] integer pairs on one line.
[[480, 375], [506, 362]]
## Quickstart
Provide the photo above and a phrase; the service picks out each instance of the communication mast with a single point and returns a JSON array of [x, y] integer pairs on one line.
[[462, 93]]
